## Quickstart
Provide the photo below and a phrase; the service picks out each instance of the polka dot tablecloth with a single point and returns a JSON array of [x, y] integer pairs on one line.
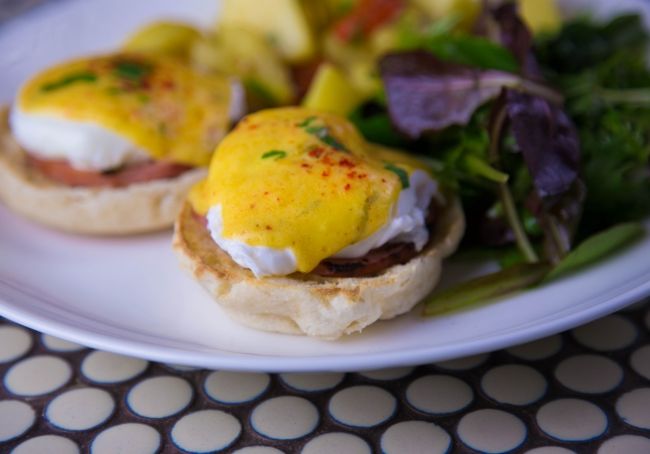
[[584, 391]]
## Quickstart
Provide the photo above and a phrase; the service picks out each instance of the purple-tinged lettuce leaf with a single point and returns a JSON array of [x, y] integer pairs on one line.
[[497, 126], [425, 94], [515, 36], [548, 141], [513, 33], [549, 147]]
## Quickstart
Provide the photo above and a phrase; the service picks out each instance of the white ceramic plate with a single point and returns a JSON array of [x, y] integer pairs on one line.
[[127, 295]]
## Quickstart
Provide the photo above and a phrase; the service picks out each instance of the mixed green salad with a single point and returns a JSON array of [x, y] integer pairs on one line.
[[541, 126], [546, 140]]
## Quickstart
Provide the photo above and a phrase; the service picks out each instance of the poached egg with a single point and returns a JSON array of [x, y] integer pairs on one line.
[[101, 113], [291, 187]]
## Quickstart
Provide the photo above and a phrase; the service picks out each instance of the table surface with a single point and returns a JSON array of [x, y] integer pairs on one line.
[[583, 391]]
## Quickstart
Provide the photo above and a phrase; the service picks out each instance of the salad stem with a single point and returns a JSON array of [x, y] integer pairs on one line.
[[523, 243], [509, 209], [528, 86], [480, 167], [560, 241], [542, 91], [631, 96], [485, 288]]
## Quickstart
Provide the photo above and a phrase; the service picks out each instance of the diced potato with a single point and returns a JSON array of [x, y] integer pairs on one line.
[[541, 15], [167, 38], [384, 40], [318, 14], [322, 13], [331, 92], [242, 53], [342, 53], [364, 77], [466, 10], [282, 22], [357, 61]]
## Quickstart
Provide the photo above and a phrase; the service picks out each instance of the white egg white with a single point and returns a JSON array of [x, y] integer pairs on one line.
[[85, 145], [88, 145], [406, 224]]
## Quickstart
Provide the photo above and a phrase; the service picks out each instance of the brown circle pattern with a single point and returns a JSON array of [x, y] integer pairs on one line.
[[598, 375]]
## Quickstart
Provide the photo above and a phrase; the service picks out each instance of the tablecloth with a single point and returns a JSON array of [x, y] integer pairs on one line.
[[582, 391]]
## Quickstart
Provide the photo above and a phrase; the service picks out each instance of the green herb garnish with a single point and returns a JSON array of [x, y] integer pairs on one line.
[[374, 124], [473, 51], [84, 76], [322, 133], [401, 173], [277, 154], [306, 122], [132, 71]]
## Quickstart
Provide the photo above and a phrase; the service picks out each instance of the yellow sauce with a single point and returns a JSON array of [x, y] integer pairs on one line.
[[167, 109], [301, 179]]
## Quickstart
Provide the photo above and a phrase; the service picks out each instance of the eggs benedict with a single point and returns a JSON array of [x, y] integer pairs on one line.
[[111, 144], [303, 227]]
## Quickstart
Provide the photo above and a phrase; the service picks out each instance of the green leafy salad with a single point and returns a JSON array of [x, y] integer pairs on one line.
[[547, 140]]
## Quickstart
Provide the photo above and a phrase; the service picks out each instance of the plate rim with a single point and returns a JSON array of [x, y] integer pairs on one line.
[[628, 292]]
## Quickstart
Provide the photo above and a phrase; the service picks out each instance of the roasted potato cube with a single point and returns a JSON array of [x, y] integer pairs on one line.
[[167, 38], [282, 22]]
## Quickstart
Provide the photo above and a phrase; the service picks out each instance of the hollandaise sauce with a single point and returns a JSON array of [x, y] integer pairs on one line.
[[164, 107], [304, 180]]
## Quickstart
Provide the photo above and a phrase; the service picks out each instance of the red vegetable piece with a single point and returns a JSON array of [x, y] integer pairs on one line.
[[366, 17]]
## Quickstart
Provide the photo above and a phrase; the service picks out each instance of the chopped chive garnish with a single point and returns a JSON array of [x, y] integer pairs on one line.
[[277, 154], [322, 133], [306, 122], [401, 173], [132, 70], [85, 76]]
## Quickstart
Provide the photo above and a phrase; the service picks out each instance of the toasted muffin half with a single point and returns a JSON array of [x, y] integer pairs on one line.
[[138, 207], [324, 307]]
